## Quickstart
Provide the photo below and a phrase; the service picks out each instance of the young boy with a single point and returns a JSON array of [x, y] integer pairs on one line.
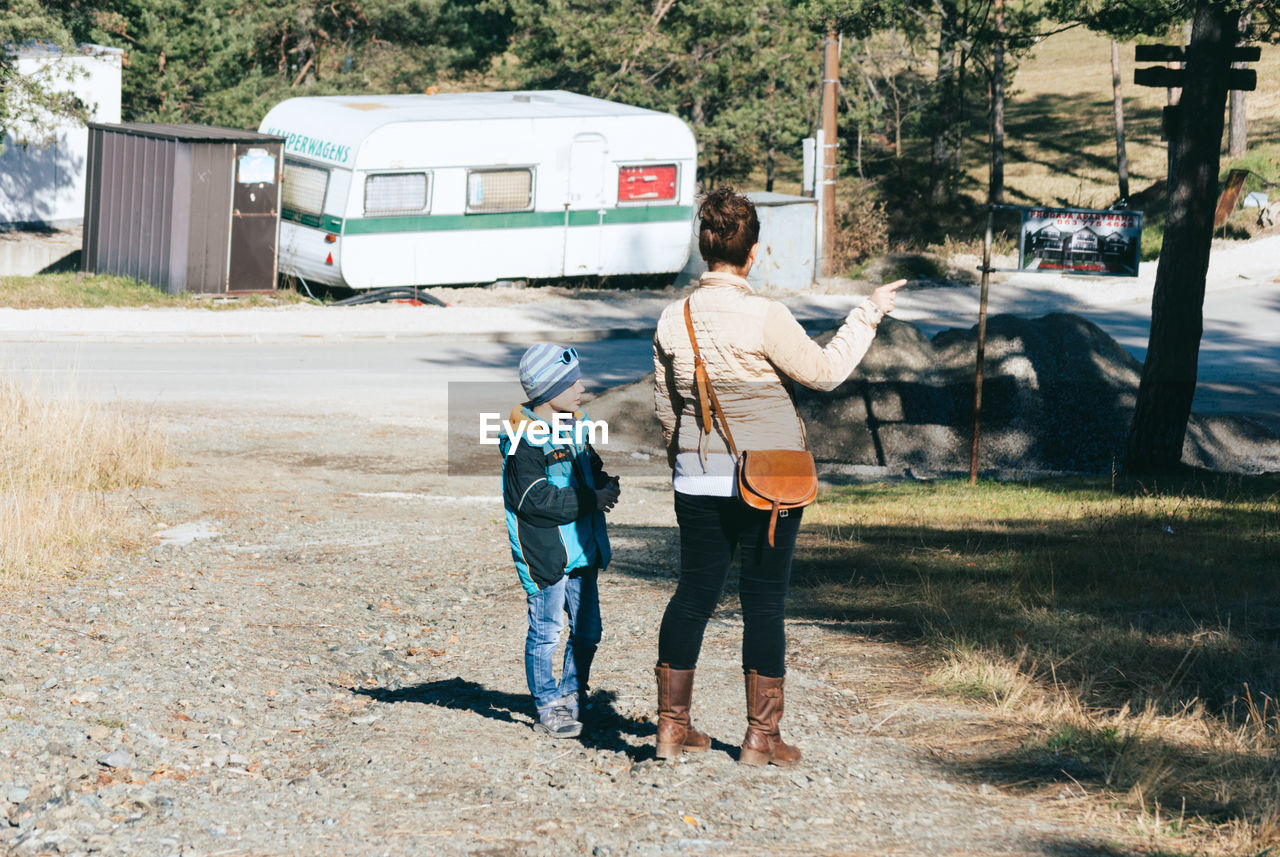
[[556, 493]]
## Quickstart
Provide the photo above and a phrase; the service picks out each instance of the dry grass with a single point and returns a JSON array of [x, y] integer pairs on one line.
[[1060, 122], [61, 461], [1131, 630]]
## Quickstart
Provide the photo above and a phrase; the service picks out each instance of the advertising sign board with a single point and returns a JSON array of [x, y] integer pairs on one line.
[[1080, 241]]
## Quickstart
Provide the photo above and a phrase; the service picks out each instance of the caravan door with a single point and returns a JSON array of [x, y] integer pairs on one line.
[[585, 205]]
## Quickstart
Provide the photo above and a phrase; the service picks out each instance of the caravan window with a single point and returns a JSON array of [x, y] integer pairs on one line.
[[304, 187], [500, 190], [648, 183], [396, 193]]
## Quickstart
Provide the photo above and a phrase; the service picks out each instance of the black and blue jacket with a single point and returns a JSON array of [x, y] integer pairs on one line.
[[549, 491]]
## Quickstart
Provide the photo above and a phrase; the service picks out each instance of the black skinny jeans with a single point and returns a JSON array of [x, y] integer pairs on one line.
[[711, 529]]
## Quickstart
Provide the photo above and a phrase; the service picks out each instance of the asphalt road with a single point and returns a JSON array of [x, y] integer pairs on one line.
[[1239, 358], [363, 377]]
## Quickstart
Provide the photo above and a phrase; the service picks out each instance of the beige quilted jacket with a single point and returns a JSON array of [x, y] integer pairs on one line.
[[754, 348]]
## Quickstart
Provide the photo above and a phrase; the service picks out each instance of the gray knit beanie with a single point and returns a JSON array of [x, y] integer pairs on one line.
[[547, 370]]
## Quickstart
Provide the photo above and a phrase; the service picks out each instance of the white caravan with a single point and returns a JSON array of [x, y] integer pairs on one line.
[[404, 190]]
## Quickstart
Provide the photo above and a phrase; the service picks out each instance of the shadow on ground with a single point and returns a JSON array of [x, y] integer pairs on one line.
[[1124, 610], [1189, 784], [1058, 396], [604, 727]]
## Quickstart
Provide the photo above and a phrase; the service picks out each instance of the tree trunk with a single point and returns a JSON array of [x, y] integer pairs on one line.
[[996, 194], [699, 116], [960, 119], [1238, 135], [1177, 306], [944, 120], [768, 170], [1175, 93], [897, 126], [306, 46], [1122, 161], [897, 109]]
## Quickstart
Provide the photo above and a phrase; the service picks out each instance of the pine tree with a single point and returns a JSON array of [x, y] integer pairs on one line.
[[743, 75], [225, 62]]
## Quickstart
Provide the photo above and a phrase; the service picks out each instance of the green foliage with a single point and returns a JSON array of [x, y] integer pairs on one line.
[[1159, 17], [36, 102], [227, 63], [1070, 738], [745, 76]]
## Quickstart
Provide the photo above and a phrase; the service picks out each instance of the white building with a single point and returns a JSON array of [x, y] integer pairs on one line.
[[44, 184]]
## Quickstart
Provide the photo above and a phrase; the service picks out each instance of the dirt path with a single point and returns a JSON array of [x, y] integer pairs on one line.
[[338, 671]]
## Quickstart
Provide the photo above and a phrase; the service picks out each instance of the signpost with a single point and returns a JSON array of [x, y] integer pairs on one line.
[[1081, 241], [1162, 77]]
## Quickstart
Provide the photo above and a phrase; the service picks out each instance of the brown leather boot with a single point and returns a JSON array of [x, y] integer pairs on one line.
[[676, 734], [763, 744]]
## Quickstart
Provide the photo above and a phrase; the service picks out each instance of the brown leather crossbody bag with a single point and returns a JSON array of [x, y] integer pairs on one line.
[[773, 480]]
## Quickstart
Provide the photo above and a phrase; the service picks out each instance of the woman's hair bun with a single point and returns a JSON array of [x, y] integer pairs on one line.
[[728, 227]]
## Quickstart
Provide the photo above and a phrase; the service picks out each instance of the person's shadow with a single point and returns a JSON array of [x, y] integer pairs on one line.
[[604, 728]]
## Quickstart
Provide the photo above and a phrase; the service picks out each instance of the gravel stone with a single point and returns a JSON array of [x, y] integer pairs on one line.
[[369, 716], [116, 759]]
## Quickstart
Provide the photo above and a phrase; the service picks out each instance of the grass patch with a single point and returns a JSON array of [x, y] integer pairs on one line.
[[1133, 628], [1263, 162], [61, 460], [79, 290]]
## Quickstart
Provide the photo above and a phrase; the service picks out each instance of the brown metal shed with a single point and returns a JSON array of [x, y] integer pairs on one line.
[[187, 208]]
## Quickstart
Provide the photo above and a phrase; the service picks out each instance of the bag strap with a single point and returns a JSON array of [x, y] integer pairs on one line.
[[710, 405]]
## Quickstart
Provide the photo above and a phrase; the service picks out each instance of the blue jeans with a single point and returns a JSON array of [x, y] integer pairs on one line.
[[576, 597]]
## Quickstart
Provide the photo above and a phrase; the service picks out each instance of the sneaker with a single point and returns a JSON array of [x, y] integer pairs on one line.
[[558, 722]]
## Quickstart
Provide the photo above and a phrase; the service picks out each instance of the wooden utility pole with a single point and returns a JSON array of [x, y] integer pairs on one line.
[[981, 355], [827, 189], [1122, 161], [995, 195], [1194, 128]]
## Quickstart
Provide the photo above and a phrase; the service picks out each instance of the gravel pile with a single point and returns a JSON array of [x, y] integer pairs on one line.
[[322, 655], [1058, 396]]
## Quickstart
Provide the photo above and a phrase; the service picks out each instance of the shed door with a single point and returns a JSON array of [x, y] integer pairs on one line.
[[255, 217], [584, 214]]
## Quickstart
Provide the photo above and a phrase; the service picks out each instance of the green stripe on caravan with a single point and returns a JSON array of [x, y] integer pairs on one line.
[[516, 220], [327, 222]]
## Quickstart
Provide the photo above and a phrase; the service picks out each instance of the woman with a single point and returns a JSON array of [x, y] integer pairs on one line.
[[753, 349]]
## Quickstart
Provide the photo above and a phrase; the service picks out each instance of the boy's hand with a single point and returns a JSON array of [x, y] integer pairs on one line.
[[607, 497]]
